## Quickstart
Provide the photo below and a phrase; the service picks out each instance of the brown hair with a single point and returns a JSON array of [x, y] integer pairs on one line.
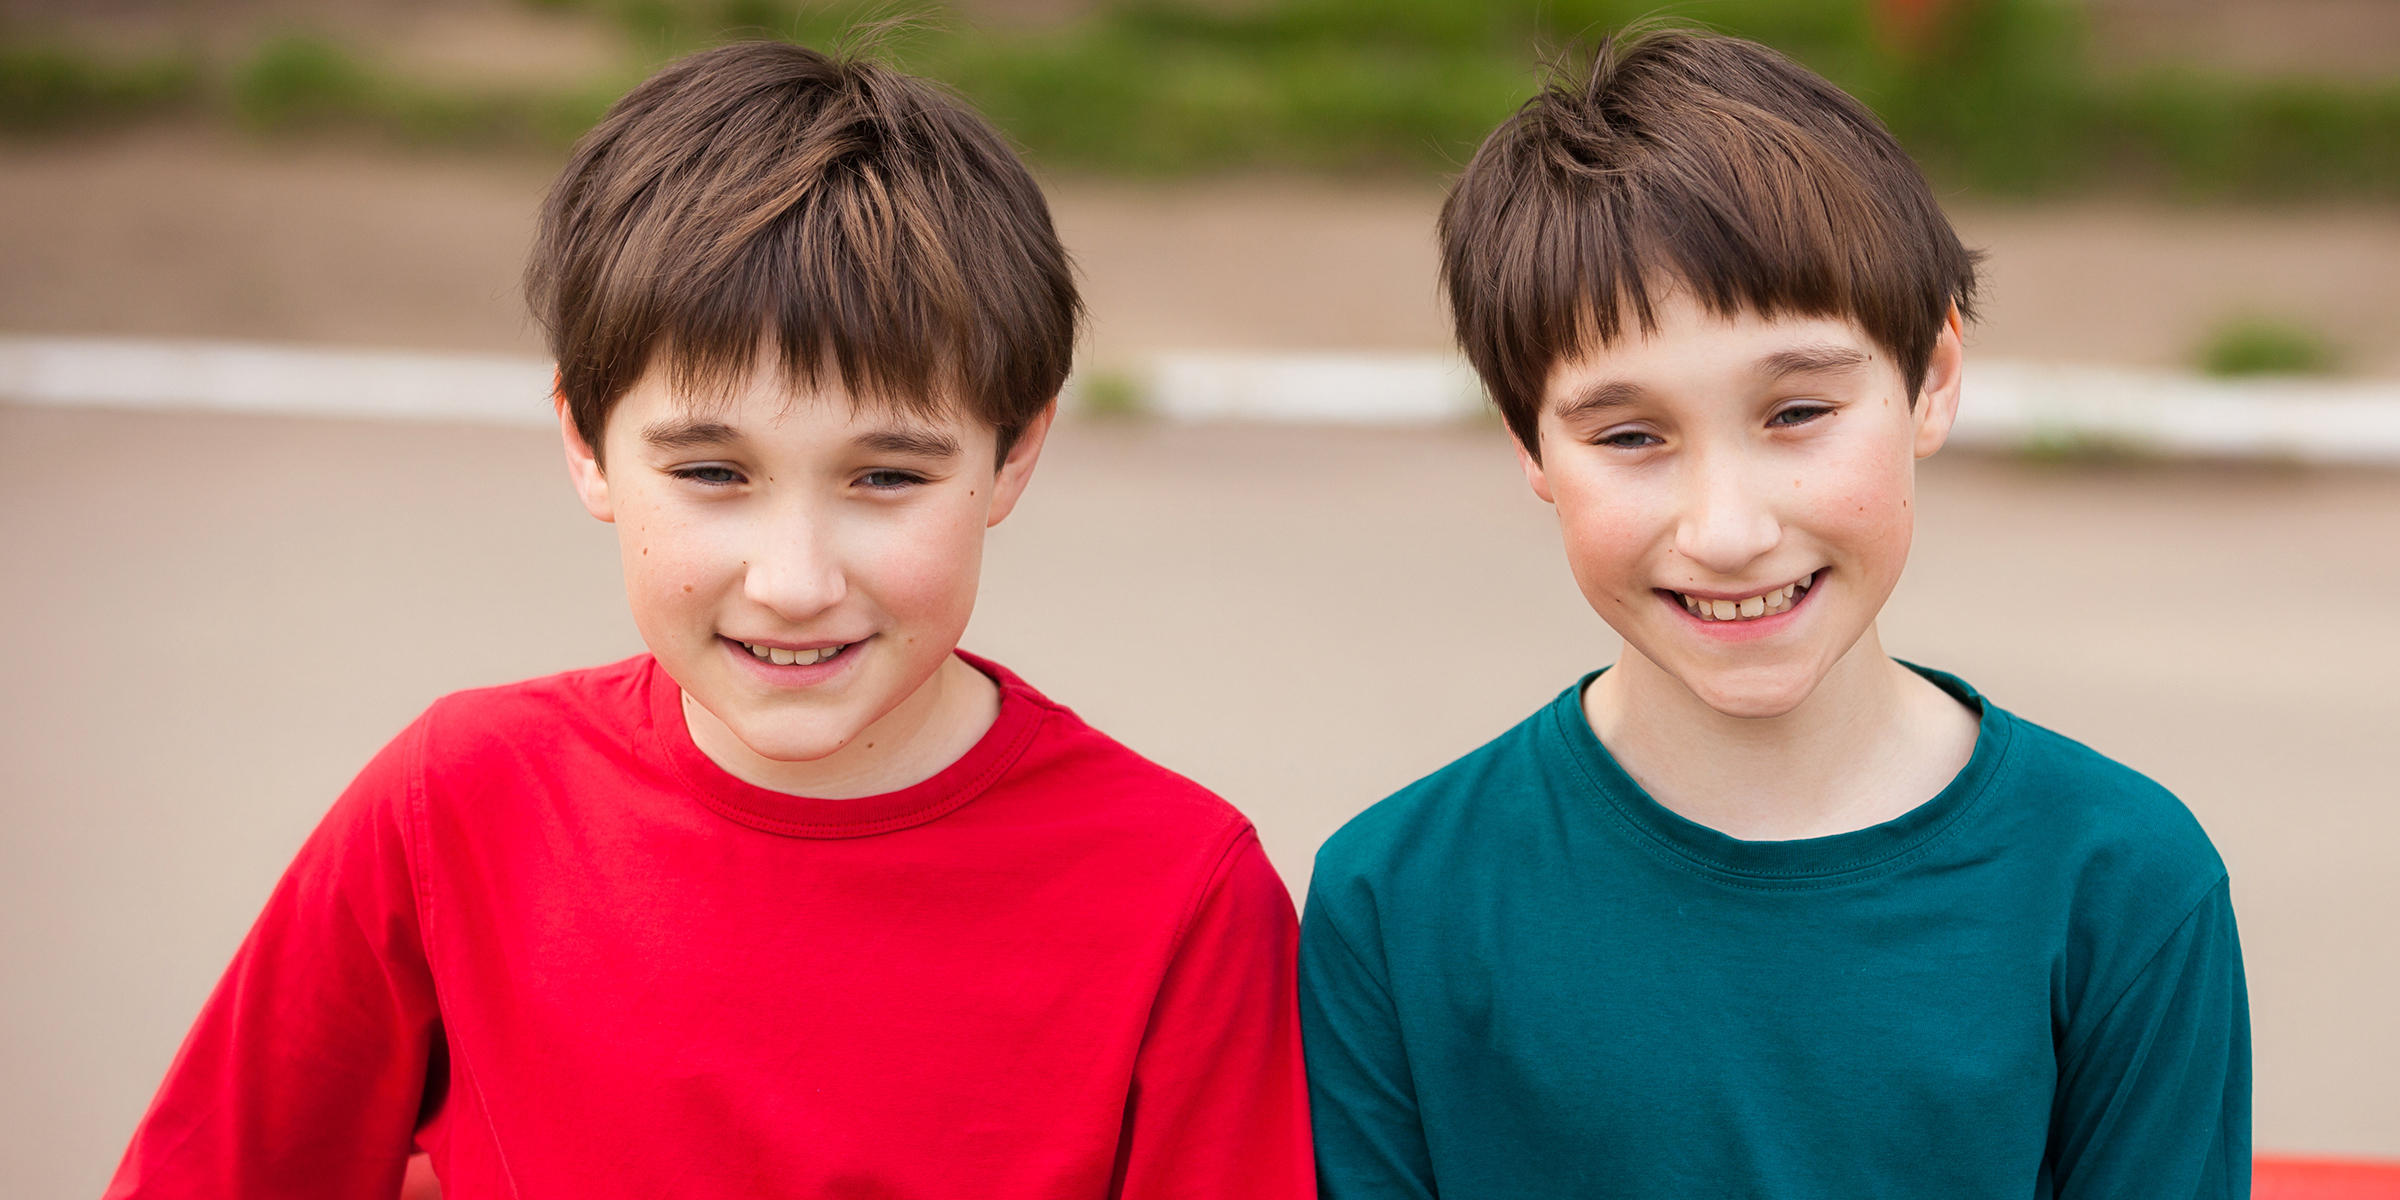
[[862, 225], [1727, 167]]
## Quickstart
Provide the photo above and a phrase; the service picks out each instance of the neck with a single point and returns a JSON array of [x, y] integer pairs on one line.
[[1870, 742], [935, 726]]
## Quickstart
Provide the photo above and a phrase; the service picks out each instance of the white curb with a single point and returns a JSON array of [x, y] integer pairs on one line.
[[2008, 404], [2020, 404], [250, 378]]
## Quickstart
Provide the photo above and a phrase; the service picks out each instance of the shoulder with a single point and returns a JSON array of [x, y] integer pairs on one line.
[[1469, 808], [2116, 857], [2112, 821], [2127, 865], [603, 705], [1077, 771]]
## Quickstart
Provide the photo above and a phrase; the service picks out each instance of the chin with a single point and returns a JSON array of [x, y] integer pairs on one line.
[[1750, 695], [789, 741]]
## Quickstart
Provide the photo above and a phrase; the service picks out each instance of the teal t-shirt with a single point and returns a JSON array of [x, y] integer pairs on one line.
[[1522, 976]]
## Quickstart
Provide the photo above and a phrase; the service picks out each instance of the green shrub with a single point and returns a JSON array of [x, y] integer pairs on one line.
[[300, 80], [1999, 97], [2274, 138], [2265, 346], [50, 87], [1112, 394]]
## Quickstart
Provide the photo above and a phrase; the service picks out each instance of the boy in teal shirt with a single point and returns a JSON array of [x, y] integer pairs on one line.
[[1757, 911]]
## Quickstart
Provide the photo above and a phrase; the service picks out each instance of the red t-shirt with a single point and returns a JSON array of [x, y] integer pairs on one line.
[[547, 937]]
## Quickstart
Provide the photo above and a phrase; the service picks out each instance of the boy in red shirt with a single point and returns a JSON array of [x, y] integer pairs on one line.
[[802, 902]]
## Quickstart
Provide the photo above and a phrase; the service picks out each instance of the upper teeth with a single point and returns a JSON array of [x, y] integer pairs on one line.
[[785, 658], [1747, 608]]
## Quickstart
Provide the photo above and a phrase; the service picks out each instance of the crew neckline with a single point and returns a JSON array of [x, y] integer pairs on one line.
[[1799, 863], [782, 813]]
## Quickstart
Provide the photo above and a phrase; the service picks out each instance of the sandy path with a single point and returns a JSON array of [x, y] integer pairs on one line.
[[213, 621], [180, 234]]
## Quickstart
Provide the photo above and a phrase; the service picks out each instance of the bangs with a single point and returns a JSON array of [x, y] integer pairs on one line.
[[854, 228], [1694, 162]]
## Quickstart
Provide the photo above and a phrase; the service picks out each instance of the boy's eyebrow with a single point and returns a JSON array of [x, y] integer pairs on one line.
[[916, 443], [1612, 394], [683, 433], [1801, 360]]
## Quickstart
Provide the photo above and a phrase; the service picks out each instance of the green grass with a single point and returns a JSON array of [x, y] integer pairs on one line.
[[304, 83], [2252, 345], [2001, 99], [1112, 394], [47, 88], [2067, 448]]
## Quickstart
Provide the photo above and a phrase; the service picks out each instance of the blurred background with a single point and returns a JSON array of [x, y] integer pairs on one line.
[[1248, 554]]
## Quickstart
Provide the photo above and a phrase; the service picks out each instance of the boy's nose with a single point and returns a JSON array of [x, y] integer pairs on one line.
[[1725, 526], [793, 568]]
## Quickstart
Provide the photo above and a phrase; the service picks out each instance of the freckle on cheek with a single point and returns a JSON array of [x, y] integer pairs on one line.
[[687, 587]]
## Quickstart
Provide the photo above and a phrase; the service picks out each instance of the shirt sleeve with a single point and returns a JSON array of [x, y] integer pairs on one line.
[[1370, 1137], [1219, 1105], [2154, 1096], [306, 1072]]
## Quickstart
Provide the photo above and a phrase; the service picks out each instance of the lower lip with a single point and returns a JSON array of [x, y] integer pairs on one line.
[[794, 674], [1750, 630]]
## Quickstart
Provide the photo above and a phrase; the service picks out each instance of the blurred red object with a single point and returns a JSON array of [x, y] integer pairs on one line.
[[1913, 12], [2323, 1179], [1908, 24], [419, 1183]]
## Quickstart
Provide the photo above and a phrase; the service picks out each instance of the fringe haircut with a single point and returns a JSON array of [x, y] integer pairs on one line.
[[862, 227], [1692, 160]]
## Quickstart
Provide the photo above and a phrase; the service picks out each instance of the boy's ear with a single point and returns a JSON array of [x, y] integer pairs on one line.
[[583, 466], [1945, 376], [1016, 470], [1533, 470]]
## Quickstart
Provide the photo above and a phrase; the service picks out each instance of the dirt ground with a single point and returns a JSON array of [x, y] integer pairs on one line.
[[183, 233], [213, 621]]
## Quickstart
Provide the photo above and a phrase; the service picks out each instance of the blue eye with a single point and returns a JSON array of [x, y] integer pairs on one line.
[[714, 476], [889, 480], [1628, 439], [1799, 414]]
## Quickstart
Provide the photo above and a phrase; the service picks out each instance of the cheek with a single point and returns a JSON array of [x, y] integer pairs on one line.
[[1864, 504], [921, 565], [673, 565], [1608, 533]]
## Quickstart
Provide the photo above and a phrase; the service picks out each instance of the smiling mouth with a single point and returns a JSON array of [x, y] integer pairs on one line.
[[793, 658], [1748, 608]]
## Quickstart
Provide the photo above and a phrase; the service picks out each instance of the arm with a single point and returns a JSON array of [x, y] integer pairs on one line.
[[306, 1071], [1220, 1101], [2154, 1095], [1370, 1138]]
